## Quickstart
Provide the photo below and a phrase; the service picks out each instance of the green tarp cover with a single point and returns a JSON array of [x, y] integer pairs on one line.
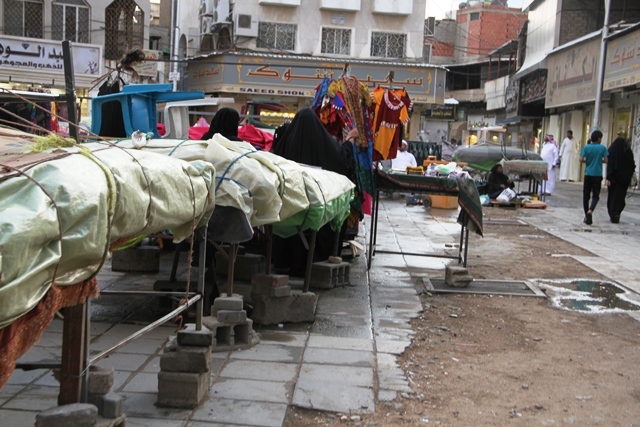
[[65, 213]]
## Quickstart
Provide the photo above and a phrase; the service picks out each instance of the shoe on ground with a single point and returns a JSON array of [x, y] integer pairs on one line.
[[588, 219], [615, 219]]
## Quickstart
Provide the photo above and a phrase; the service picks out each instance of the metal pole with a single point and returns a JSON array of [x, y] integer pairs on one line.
[[176, 39], [603, 54], [70, 89], [309, 266]]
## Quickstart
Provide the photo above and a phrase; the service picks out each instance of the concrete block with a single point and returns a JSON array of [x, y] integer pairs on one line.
[[459, 273], [100, 380], [231, 336], [232, 316], [328, 275], [246, 266], [109, 405], [281, 291], [223, 302], [186, 359], [272, 280], [143, 259], [191, 337], [75, 414], [182, 389], [296, 308], [461, 281]]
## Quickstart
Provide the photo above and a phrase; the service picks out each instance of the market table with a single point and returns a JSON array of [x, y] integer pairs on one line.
[[469, 218]]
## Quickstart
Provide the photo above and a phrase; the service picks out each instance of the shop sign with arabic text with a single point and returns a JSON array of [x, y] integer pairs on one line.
[[46, 55], [299, 77], [623, 62]]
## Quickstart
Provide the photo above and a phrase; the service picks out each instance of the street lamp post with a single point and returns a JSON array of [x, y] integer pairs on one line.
[[603, 55]]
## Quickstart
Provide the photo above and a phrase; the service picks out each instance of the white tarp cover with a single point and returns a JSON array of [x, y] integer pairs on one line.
[[268, 188], [100, 198]]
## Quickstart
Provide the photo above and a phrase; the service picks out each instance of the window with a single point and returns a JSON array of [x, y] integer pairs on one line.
[[124, 28], [70, 21], [430, 27], [23, 18], [474, 16], [336, 41], [277, 36], [426, 53], [388, 45]]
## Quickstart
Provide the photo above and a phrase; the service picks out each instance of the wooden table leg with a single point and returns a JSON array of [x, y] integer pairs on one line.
[[73, 354]]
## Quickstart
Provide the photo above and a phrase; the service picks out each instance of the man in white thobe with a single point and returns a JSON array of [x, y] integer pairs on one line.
[[569, 166], [403, 158], [549, 154]]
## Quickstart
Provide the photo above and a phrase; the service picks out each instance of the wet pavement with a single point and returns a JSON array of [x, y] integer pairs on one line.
[[346, 360]]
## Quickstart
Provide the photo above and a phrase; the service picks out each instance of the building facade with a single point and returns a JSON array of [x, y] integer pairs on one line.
[[278, 51], [100, 33], [476, 48], [556, 84]]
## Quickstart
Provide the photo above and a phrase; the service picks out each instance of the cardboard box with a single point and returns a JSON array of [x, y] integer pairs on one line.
[[444, 202]]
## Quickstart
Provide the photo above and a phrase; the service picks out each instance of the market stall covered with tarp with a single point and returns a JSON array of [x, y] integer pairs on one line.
[[483, 157], [268, 188], [63, 207]]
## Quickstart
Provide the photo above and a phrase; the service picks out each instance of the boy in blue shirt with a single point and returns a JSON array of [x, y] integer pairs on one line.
[[593, 155]]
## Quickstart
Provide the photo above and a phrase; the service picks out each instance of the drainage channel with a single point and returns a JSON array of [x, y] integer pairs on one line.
[[590, 296]]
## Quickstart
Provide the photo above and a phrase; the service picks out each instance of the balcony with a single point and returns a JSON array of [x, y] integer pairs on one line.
[[341, 5], [393, 7], [279, 2]]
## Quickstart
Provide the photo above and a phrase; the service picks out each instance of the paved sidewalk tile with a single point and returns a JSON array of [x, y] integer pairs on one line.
[[258, 370], [258, 391], [270, 353], [324, 341], [240, 412], [332, 356], [331, 396]]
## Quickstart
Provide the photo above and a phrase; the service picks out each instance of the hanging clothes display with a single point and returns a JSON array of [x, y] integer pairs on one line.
[[392, 110]]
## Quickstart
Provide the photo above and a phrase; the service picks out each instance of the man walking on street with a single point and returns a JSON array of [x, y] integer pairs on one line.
[[593, 154]]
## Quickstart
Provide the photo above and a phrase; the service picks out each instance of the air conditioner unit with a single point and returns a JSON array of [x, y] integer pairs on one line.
[[206, 8], [206, 26], [246, 25], [221, 11]]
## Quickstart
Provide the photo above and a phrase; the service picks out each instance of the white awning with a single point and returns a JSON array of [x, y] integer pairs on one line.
[[533, 62], [451, 101]]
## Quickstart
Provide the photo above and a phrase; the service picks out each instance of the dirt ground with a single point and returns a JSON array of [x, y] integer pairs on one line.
[[492, 361]]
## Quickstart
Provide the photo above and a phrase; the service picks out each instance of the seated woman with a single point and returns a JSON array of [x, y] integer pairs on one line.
[[225, 122], [497, 182]]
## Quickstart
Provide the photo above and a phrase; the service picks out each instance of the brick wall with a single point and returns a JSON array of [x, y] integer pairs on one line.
[[575, 24], [495, 26]]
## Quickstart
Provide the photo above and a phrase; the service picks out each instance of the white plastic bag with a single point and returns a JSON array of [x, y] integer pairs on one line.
[[506, 196]]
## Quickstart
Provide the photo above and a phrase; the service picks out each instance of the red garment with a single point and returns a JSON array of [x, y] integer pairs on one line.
[[256, 137], [196, 132], [392, 109], [162, 129]]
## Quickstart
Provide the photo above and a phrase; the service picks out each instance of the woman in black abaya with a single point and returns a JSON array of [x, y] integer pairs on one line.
[[225, 122], [620, 168], [306, 141], [497, 182]]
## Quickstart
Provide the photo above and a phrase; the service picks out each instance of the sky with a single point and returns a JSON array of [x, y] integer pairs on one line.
[[439, 8]]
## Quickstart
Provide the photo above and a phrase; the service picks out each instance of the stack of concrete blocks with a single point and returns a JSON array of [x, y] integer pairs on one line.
[[103, 410], [185, 369], [457, 276], [245, 267], [231, 328], [329, 274], [274, 302], [109, 404]]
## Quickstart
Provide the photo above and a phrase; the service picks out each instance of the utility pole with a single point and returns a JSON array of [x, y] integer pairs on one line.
[[174, 75], [603, 56]]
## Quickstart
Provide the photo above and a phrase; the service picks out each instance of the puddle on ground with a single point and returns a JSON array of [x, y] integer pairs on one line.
[[590, 296]]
